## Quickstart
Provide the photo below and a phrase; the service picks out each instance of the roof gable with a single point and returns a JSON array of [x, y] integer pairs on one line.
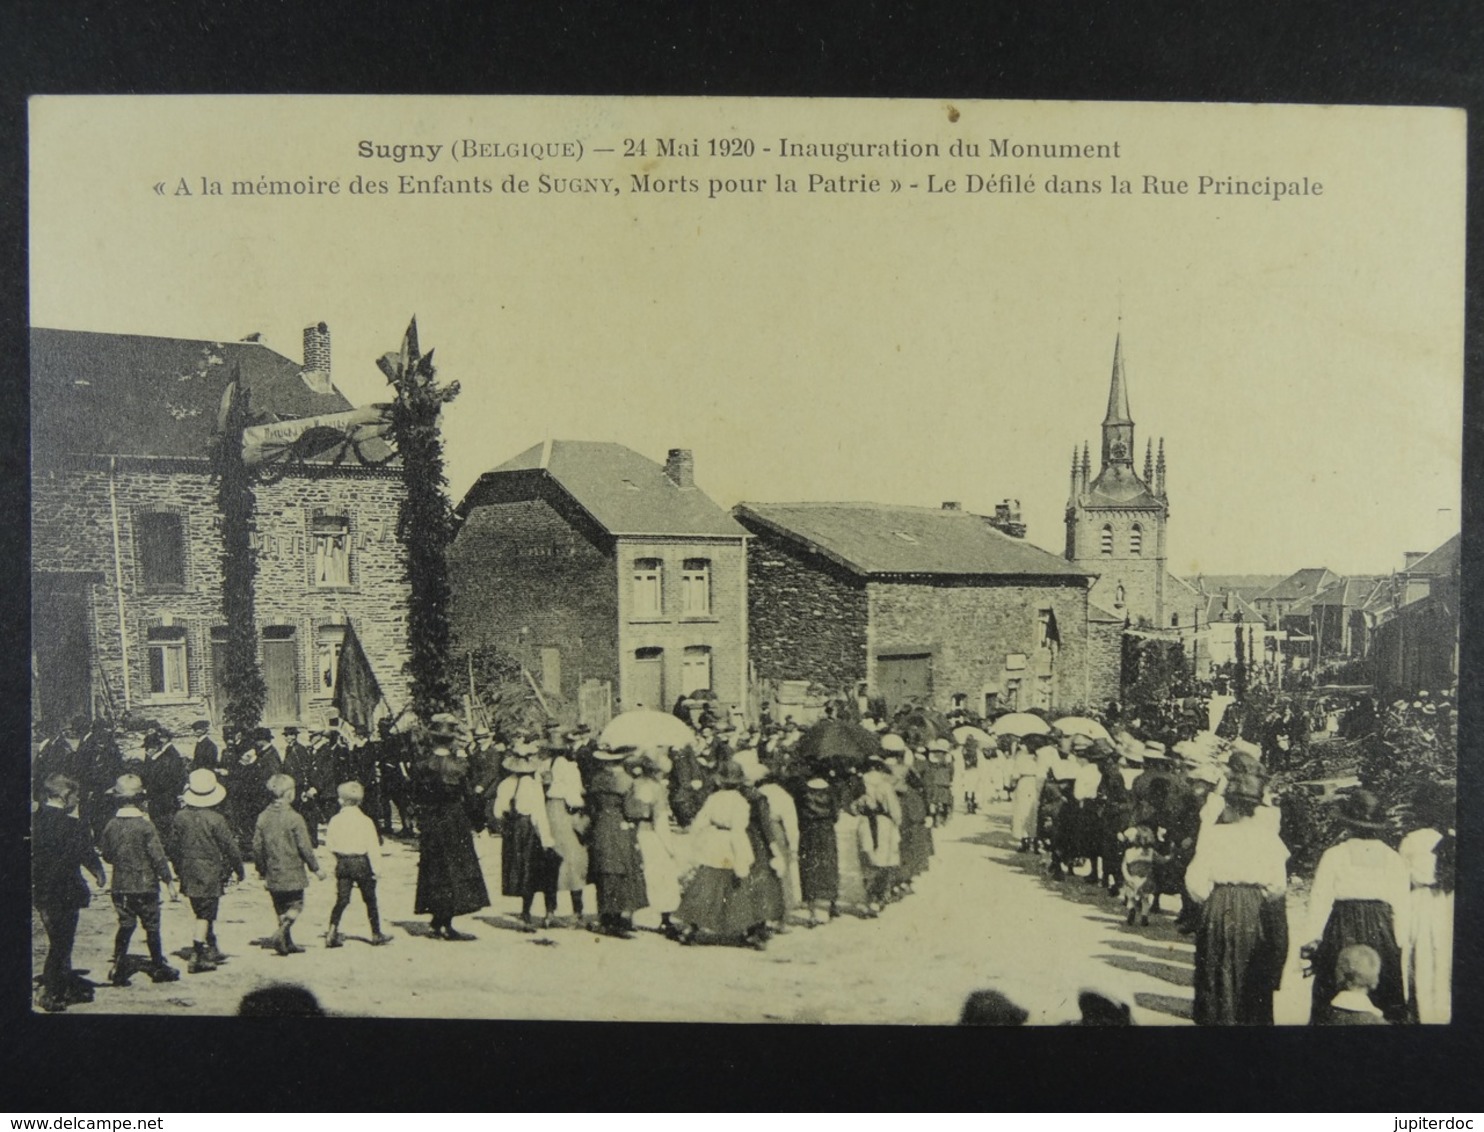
[[1300, 584], [876, 539], [1444, 560], [132, 395], [625, 493]]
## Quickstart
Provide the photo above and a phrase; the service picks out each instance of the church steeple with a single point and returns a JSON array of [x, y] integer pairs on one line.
[[1118, 426]]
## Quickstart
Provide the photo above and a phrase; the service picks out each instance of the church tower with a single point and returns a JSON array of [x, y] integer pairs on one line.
[[1116, 522]]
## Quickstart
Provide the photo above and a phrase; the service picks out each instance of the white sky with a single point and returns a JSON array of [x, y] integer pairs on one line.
[[1302, 359]]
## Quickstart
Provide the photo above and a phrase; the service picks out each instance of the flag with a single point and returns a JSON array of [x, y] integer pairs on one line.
[[356, 691]]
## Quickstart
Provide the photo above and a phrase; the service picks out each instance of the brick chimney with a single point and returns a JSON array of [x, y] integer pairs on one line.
[[680, 467], [953, 505], [316, 373], [1007, 518]]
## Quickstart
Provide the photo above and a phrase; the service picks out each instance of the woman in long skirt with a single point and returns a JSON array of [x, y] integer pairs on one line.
[[916, 842], [716, 899], [819, 849], [566, 816], [449, 880], [649, 807], [1361, 894], [763, 886], [614, 865], [528, 862], [878, 836], [1428, 851], [1239, 876], [1024, 778]]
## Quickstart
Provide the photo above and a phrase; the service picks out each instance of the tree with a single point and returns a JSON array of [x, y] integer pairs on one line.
[[424, 519], [242, 678]]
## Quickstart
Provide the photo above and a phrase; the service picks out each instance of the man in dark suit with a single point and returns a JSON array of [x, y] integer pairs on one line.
[[165, 777], [299, 764], [206, 756]]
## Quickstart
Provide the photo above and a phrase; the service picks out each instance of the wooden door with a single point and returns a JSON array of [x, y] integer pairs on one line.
[[62, 657], [281, 674], [646, 681], [901, 678]]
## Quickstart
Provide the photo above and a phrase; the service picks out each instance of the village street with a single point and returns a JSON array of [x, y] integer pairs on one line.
[[982, 917]]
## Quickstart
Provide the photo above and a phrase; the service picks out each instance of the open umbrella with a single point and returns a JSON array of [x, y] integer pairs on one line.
[[967, 732], [837, 740], [1019, 723], [1081, 725], [643, 727]]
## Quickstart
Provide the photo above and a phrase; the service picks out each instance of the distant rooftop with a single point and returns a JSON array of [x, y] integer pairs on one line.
[[880, 539], [625, 493]]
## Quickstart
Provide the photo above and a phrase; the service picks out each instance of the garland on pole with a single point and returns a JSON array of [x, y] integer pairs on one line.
[[424, 520], [242, 678]]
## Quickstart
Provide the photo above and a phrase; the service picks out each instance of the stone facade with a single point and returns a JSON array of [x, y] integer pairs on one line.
[[1136, 562], [72, 513], [807, 617], [986, 640]]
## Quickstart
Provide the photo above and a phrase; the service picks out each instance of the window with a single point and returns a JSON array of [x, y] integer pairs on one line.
[[695, 587], [160, 537], [166, 648], [330, 541], [330, 640], [1107, 539], [695, 669], [1047, 636], [1174, 621], [991, 703], [551, 671], [648, 587], [1012, 695], [1043, 692], [1136, 540]]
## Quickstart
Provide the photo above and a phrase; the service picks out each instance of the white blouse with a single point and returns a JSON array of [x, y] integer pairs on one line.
[[1418, 850], [1244, 852], [1359, 869]]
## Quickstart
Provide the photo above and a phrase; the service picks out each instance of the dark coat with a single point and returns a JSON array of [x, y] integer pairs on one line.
[[132, 846], [165, 777], [60, 850], [449, 879], [614, 864], [204, 851], [205, 756]]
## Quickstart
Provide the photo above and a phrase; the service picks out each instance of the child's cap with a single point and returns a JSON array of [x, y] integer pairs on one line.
[[352, 792], [128, 786], [282, 786]]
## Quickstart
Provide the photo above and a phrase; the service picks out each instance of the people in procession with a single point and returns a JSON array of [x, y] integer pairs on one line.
[[61, 849], [281, 852], [351, 839], [132, 845], [614, 866], [450, 881], [206, 856]]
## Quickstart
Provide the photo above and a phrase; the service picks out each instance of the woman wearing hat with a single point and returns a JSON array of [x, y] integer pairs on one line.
[[1023, 780], [648, 806], [566, 815], [1361, 894], [528, 861], [878, 834], [819, 848], [205, 853], [716, 898], [449, 880], [1429, 851], [1239, 877], [614, 865]]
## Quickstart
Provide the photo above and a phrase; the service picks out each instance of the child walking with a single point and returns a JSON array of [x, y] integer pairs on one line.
[[205, 854], [280, 851], [131, 844], [60, 850], [351, 836]]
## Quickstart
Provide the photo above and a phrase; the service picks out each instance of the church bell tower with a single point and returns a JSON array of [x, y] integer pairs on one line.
[[1116, 522]]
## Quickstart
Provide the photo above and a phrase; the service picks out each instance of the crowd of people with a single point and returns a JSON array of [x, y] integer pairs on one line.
[[737, 833]]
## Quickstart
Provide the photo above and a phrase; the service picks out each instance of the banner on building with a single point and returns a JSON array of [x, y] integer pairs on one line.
[[309, 437]]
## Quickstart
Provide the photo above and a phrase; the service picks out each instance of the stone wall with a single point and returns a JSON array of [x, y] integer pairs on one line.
[[984, 636], [72, 531], [807, 616], [1142, 576]]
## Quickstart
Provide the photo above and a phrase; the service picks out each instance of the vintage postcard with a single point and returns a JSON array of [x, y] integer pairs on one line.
[[742, 560]]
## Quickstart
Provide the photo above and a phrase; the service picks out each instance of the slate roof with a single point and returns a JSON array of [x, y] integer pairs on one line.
[[625, 493], [1118, 486], [1348, 593], [1248, 585], [1216, 609], [1443, 560], [1300, 584], [873, 539], [131, 395]]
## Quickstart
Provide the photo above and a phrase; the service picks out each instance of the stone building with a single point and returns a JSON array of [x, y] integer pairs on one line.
[[924, 604], [1116, 523], [1415, 634], [126, 543], [614, 581]]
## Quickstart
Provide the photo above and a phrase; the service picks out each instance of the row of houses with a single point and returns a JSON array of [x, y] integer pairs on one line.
[[618, 583], [612, 579]]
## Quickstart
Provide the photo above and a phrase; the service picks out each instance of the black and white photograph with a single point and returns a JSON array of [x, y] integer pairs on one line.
[[833, 561]]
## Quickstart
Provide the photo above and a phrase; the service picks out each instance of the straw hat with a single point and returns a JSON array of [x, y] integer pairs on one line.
[[893, 744], [616, 755], [202, 789]]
